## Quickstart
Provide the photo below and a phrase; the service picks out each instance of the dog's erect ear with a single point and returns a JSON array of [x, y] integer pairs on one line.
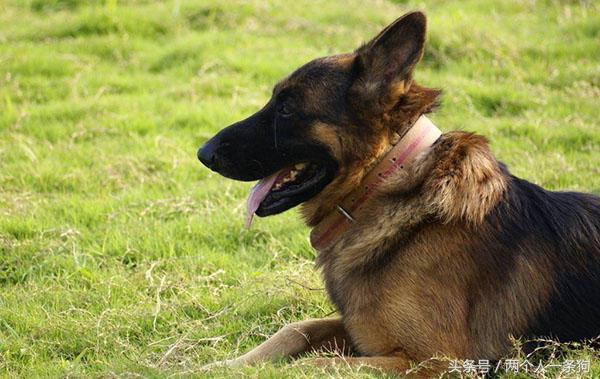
[[383, 67]]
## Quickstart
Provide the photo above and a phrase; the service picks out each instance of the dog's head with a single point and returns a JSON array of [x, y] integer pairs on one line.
[[326, 124]]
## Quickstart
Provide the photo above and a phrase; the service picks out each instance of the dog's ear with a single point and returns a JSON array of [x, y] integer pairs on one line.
[[383, 67]]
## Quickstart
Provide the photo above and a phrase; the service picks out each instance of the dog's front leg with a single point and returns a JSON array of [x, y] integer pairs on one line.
[[297, 338]]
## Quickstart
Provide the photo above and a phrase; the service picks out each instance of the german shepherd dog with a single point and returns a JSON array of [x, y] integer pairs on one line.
[[451, 257]]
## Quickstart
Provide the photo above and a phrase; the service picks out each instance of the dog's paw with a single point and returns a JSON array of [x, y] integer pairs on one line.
[[220, 364]]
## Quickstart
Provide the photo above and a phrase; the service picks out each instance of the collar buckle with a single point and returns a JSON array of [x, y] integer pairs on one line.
[[346, 214]]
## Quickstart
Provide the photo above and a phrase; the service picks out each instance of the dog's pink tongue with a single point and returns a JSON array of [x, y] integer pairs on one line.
[[257, 195]]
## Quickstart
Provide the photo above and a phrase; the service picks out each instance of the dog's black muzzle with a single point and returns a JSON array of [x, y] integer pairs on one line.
[[247, 150]]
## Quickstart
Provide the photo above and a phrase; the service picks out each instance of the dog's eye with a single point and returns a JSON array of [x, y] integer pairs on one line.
[[284, 109]]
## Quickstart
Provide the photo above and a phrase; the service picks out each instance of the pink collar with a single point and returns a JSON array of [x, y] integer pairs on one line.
[[418, 138]]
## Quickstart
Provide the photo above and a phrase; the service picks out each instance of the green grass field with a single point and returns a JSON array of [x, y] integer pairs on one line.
[[122, 256]]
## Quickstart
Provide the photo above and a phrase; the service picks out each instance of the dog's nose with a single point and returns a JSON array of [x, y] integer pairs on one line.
[[207, 155]]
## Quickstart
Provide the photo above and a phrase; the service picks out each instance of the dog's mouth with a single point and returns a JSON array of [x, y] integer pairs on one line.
[[286, 188]]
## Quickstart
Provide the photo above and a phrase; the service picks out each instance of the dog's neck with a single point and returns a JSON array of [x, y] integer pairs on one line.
[[400, 155]]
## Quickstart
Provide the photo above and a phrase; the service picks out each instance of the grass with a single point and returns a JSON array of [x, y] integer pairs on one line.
[[121, 256]]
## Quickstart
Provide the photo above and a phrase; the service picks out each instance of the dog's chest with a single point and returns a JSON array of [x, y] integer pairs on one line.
[[374, 313], [395, 308]]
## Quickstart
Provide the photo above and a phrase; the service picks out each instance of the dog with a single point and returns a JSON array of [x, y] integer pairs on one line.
[[427, 245]]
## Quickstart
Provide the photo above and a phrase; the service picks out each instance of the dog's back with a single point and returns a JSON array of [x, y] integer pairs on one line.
[[566, 227]]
